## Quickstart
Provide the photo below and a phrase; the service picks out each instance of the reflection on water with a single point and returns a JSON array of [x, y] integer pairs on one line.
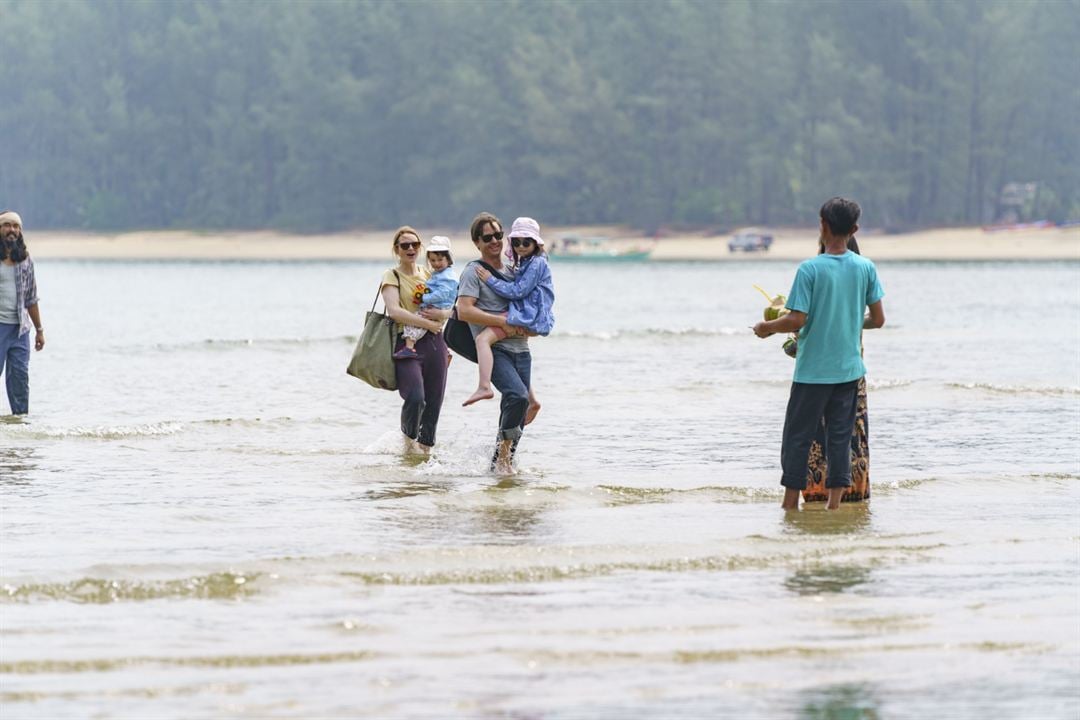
[[841, 702], [412, 488], [507, 519], [16, 465], [827, 579], [814, 519]]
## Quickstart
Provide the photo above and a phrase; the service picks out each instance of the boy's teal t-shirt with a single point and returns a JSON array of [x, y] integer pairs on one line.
[[833, 291]]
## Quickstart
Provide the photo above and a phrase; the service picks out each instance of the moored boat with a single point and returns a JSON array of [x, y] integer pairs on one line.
[[599, 248]]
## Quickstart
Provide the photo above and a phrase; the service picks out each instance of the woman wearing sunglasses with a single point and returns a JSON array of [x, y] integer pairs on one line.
[[421, 377]]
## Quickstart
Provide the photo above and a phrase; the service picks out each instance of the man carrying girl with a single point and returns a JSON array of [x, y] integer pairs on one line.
[[480, 305]]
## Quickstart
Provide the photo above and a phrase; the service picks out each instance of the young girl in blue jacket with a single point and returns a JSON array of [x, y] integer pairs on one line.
[[531, 294]]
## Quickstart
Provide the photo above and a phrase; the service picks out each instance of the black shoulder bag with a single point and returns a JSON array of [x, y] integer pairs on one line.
[[457, 334]]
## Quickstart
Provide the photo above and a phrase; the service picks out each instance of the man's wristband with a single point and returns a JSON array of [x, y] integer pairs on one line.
[[40, 329]]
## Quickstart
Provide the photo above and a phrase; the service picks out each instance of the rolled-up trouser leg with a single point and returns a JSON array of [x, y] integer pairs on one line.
[[511, 375]]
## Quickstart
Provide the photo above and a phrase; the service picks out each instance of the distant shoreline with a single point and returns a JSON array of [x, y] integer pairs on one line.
[[789, 244]]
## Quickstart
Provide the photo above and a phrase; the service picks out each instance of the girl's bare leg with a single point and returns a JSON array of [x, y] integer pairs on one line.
[[485, 358]]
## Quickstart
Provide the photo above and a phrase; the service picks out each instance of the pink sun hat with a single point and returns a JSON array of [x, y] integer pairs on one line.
[[526, 227]]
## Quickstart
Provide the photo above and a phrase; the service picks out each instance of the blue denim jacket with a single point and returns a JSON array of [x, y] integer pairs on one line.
[[441, 289], [531, 294]]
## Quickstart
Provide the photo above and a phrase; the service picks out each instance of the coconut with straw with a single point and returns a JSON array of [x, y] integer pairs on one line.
[[775, 309]]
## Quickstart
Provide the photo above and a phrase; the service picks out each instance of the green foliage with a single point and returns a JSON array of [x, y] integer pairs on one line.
[[315, 116]]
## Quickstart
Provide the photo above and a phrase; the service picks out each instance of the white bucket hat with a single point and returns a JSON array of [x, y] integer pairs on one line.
[[438, 243], [526, 227]]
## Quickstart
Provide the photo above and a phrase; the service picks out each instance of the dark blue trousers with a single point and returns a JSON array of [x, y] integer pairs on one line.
[[15, 366]]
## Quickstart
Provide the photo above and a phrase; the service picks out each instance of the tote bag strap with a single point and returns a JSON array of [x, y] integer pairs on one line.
[[378, 293]]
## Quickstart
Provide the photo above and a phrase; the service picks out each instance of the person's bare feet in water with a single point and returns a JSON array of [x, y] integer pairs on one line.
[[415, 447], [482, 393], [532, 410], [504, 460]]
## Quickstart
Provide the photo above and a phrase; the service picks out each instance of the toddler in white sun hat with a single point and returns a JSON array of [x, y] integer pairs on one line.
[[440, 291]]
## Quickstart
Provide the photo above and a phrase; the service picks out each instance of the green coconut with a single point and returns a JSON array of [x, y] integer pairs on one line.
[[775, 309]]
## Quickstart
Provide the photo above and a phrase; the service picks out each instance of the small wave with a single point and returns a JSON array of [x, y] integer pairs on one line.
[[887, 384], [621, 494], [728, 655], [246, 422], [572, 568], [30, 667], [658, 332], [817, 651], [1054, 476], [234, 343], [1017, 389], [105, 432], [99, 591]]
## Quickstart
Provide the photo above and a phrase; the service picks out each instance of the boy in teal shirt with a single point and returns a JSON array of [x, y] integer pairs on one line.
[[827, 301]]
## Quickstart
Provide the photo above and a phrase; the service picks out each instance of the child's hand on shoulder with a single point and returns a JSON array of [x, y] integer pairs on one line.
[[483, 274]]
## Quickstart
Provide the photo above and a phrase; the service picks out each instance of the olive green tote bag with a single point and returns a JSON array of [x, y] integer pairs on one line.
[[372, 359]]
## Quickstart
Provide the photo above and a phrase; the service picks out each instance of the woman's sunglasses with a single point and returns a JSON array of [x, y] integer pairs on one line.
[[408, 245], [521, 242], [492, 236]]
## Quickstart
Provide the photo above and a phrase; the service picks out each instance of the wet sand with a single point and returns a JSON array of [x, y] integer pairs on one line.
[[789, 244]]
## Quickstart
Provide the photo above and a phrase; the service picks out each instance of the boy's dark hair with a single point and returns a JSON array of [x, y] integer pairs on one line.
[[841, 215], [479, 222], [443, 253], [852, 245]]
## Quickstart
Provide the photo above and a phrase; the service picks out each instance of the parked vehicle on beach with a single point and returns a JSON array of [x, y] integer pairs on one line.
[[750, 241]]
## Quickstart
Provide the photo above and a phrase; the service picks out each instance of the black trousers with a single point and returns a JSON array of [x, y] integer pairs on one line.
[[807, 406]]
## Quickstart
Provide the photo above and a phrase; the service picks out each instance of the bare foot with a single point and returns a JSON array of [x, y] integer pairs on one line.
[[531, 411], [504, 458], [480, 394]]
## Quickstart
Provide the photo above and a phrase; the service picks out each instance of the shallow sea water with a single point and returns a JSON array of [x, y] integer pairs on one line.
[[205, 517]]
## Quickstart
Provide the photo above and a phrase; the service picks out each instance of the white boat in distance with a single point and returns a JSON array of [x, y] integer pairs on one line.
[[600, 248]]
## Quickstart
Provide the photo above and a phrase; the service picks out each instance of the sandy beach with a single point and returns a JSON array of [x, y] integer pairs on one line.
[[789, 244]]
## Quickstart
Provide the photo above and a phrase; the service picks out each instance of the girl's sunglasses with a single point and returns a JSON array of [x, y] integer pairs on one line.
[[408, 245], [521, 242]]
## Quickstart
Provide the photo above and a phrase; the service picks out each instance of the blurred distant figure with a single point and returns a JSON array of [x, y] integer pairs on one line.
[[18, 312], [827, 301]]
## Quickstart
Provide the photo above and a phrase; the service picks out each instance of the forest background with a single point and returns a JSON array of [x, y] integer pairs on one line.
[[321, 116]]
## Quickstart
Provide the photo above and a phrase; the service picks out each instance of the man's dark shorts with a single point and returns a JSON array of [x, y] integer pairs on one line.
[[807, 406]]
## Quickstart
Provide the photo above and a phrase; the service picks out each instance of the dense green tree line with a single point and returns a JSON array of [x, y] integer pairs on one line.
[[323, 115]]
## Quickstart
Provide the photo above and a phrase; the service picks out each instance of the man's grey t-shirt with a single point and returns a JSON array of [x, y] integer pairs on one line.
[[9, 299], [469, 285]]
